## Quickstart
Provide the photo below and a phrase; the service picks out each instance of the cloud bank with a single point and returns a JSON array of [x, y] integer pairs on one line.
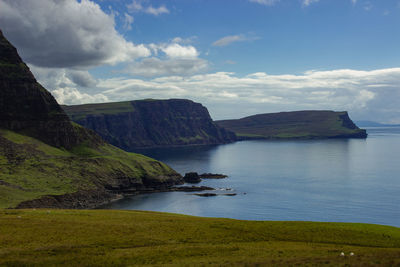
[[371, 94], [65, 33]]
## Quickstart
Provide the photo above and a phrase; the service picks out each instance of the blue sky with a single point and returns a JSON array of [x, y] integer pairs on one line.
[[287, 37], [238, 57]]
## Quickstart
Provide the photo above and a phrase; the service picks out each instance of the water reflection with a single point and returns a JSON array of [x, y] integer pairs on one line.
[[322, 180]]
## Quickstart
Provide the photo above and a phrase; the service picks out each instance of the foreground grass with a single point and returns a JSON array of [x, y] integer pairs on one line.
[[112, 238]]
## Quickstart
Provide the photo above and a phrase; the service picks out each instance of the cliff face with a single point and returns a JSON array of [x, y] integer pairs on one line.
[[48, 161], [26, 107], [151, 123], [295, 125]]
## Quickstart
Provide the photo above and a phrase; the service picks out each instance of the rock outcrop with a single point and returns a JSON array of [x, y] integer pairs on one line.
[[151, 123]]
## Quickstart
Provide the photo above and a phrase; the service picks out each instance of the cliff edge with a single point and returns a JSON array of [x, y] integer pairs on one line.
[[151, 123], [308, 124]]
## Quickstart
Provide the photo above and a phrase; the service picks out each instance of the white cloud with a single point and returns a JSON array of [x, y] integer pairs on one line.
[[151, 67], [363, 93], [67, 86], [309, 2], [175, 50], [65, 33], [128, 20], [173, 59], [265, 2], [354, 2], [81, 78], [71, 95], [227, 40], [136, 6], [157, 11], [181, 40]]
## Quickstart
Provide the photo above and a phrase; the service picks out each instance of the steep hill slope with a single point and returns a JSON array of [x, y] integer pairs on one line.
[[151, 123], [26, 107], [48, 161], [295, 125]]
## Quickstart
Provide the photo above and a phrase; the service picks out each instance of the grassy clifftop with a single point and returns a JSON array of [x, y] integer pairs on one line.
[[136, 238], [39, 175], [295, 125]]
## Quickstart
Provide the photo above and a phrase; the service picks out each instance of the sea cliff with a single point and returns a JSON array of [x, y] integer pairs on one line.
[[151, 123], [308, 124]]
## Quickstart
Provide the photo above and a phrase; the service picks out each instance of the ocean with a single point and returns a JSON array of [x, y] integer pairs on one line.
[[337, 180]]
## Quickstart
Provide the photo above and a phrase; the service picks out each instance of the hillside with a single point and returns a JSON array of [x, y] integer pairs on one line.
[[48, 161], [151, 123], [295, 125], [26, 107], [139, 238]]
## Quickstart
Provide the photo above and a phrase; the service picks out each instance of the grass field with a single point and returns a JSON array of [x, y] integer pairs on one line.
[[121, 238]]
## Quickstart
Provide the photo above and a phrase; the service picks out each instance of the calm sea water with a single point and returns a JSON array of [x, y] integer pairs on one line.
[[319, 180]]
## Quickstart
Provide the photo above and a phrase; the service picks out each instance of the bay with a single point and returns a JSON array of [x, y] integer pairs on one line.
[[338, 180]]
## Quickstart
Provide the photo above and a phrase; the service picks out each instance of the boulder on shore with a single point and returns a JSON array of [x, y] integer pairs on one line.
[[192, 177]]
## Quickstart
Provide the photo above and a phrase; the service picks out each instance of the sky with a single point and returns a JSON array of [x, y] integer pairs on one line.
[[236, 57]]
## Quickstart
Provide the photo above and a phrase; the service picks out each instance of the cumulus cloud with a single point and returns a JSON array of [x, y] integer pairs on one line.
[[178, 51], [151, 67], [227, 40], [71, 95], [65, 33], [137, 6], [265, 2], [68, 86], [363, 93], [175, 59], [81, 78]]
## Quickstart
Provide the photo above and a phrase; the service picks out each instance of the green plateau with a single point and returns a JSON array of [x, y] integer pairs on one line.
[[139, 238], [308, 124]]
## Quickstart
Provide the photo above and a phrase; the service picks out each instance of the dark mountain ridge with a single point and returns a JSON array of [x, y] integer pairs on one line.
[[48, 161], [151, 123], [28, 108]]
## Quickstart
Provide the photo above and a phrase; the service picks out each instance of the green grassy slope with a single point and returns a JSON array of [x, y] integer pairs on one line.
[[79, 112], [294, 125], [30, 168], [131, 238]]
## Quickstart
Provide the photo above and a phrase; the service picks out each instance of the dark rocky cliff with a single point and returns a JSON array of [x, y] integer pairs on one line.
[[151, 123], [46, 160], [307, 124], [26, 107]]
